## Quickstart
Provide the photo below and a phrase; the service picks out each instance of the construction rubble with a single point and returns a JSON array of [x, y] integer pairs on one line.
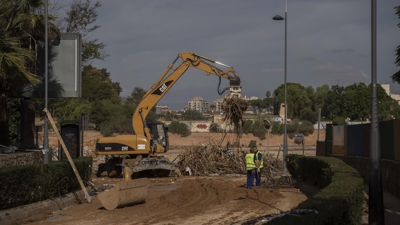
[[212, 160]]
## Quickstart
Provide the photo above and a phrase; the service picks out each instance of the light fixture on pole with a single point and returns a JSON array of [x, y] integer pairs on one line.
[[277, 17]]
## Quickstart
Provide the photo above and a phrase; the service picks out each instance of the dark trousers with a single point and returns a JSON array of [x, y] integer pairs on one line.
[[258, 177], [250, 178]]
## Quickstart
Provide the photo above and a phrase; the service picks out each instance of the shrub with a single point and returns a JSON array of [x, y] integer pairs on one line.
[[259, 130], [25, 184], [306, 128], [179, 128], [341, 198], [277, 128], [248, 127]]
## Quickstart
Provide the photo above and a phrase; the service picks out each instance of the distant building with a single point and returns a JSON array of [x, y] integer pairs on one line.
[[162, 109], [251, 98], [198, 104], [386, 87], [218, 105]]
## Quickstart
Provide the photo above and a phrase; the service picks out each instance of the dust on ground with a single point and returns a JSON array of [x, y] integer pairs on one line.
[[182, 200]]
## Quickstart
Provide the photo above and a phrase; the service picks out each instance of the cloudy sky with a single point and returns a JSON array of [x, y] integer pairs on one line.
[[329, 42]]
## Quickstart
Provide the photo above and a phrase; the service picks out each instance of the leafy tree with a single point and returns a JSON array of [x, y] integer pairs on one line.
[[354, 102], [310, 93], [73, 109], [137, 95], [258, 103], [79, 19], [21, 26], [15, 119], [339, 120], [396, 77], [309, 115], [388, 107], [96, 84], [98, 113], [152, 115], [268, 94], [320, 97], [296, 97], [117, 87], [357, 102], [334, 102], [116, 120]]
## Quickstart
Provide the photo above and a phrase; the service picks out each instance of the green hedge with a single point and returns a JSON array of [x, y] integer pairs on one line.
[[340, 200], [21, 185]]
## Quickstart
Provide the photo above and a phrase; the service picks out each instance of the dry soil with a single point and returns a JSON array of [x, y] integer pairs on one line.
[[185, 200]]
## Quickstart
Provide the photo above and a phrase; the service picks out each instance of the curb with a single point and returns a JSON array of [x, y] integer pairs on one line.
[[8, 216]]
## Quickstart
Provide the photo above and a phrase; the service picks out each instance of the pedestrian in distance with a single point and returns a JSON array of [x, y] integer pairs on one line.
[[250, 168], [259, 164]]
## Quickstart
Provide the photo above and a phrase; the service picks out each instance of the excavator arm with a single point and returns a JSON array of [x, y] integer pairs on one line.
[[136, 153], [168, 79]]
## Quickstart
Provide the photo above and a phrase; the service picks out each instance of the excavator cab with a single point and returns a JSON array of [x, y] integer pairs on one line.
[[159, 132]]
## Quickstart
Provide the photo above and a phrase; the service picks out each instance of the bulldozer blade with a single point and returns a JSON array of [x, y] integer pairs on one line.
[[125, 193]]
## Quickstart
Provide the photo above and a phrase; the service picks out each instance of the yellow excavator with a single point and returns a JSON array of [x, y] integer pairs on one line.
[[136, 154]]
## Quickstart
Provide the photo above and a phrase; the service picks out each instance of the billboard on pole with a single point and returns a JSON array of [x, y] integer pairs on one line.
[[64, 69]]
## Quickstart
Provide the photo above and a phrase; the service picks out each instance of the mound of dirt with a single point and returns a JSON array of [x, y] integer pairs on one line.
[[185, 200]]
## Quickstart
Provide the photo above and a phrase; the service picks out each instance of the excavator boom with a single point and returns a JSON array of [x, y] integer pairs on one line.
[[167, 80]]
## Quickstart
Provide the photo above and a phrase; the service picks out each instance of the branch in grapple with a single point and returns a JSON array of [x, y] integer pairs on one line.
[[233, 109]]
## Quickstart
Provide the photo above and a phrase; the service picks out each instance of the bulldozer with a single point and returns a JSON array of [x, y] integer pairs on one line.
[[140, 154]]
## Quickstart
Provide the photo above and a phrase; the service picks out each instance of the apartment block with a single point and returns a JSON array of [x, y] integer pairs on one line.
[[198, 104]]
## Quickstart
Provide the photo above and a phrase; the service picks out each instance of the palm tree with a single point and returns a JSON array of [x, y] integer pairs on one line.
[[20, 29]]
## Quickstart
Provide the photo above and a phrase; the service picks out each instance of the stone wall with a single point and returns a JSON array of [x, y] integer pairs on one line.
[[21, 158]]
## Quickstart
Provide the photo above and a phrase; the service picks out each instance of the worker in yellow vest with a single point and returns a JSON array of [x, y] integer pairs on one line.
[[259, 164], [250, 168]]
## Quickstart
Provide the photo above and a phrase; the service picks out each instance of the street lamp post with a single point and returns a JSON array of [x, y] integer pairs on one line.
[[277, 17]]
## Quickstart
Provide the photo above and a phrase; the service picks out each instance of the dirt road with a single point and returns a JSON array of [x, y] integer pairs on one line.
[[184, 200]]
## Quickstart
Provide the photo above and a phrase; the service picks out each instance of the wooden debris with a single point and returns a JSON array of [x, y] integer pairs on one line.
[[211, 160], [233, 110]]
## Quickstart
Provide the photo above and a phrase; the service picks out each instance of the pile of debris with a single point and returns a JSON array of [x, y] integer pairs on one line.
[[273, 176], [233, 110], [203, 161], [210, 160]]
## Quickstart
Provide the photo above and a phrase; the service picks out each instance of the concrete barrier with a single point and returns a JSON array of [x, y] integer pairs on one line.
[[10, 216]]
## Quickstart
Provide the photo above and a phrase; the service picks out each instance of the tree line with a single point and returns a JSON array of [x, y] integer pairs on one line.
[[337, 103]]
